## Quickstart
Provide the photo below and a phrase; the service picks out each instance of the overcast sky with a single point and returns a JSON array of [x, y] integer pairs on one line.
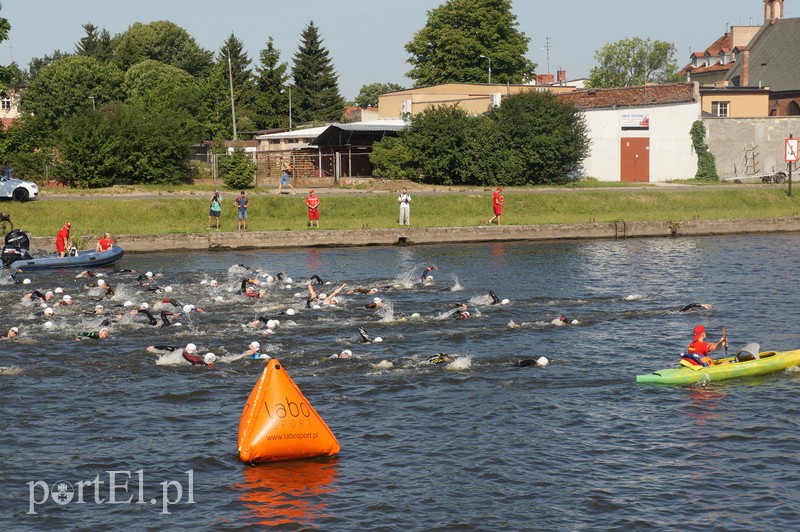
[[366, 38]]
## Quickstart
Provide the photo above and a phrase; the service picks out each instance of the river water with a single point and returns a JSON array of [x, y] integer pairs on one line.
[[473, 445]]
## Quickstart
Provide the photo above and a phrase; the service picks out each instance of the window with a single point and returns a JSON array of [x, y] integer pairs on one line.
[[720, 109], [5, 104]]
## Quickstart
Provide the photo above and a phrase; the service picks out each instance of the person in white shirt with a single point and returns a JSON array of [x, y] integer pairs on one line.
[[405, 208]]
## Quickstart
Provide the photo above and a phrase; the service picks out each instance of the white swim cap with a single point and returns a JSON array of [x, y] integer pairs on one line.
[[48, 311], [288, 286], [26, 281], [14, 329], [209, 358], [218, 299], [67, 297], [269, 278], [574, 322], [213, 282], [377, 340], [101, 282], [290, 312], [505, 302], [376, 300], [415, 315], [128, 304], [49, 325], [346, 353], [59, 290], [542, 361], [255, 345], [98, 307], [187, 309], [271, 324], [144, 306], [48, 293], [148, 274], [289, 280], [167, 289], [191, 348]]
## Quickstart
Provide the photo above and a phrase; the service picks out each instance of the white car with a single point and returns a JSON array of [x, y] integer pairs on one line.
[[18, 189]]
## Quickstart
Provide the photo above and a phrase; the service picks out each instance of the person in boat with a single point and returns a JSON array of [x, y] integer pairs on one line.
[[539, 362], [697, 353], [13, 332], [693, 306], [102, 334], [253, 351], [189, 354], [104, 243], [62, 240]]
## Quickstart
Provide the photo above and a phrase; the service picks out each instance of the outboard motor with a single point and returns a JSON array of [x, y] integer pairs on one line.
[[16, 247]]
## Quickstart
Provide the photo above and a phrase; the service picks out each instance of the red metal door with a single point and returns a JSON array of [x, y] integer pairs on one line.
[[635, 160]]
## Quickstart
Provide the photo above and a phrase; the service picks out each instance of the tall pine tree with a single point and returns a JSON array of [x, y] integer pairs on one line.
[[95, 43], [272, 103], [315, 95]]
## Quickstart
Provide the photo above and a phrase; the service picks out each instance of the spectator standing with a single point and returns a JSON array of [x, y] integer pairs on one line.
[[312, 202], [405, 207], [242, 203], [215, 209], [498, 202]]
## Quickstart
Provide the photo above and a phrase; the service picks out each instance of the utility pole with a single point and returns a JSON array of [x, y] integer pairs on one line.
[[233, 105]]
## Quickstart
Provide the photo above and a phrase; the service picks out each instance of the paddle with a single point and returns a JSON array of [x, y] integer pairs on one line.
[[725, 339]]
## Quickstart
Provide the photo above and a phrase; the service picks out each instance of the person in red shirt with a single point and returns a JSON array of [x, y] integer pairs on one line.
[[62, 240], [104, 243], [702, 348], [498, 201], [312, 202]]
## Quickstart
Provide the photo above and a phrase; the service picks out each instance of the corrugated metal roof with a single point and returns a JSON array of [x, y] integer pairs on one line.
[[773, 57], [307, 133]]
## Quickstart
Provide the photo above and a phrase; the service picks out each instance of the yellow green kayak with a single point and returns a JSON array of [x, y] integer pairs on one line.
[[726, 368]]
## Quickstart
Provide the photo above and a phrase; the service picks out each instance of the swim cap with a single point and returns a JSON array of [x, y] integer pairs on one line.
[[26, 281], [415, 315], [505, 302], [290, 312], [191, 348], [48, 311], [59, 290], [14, 329], [49, 325], [255, 345], [98, 307], [128, 304], [698, 330], [376, 300], [288, 286], [106, 329], [269, 278], [167, 289], [101, 282], [144, 306], [289, 280], [67, 298], [271, 324], [209, 358], [346, 354], [377, 340], [187, 309], [542, 361], [148, 274], [213, 282]]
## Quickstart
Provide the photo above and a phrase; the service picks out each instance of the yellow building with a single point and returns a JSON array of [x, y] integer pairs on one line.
[[474, 98], [734, 102]]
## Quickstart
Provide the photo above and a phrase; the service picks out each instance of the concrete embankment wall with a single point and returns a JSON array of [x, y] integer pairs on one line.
[[440, 235]]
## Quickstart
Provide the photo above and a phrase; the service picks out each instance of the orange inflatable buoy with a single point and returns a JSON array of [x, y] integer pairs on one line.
[[278, 422]]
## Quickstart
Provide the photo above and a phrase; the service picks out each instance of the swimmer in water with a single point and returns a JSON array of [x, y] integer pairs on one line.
[[692, 306], [253, 352], [189, 354], [13, 332], [38, 296], [316, 279], [66, 301], [442, 358], [426, 273], [534, 362], [102, 334], [563, 320], [368, 291], [376, 303], [343, 355], [314, 297]]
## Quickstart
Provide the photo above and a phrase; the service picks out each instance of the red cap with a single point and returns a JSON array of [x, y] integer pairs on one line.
[[500, 189], [698, 330], [311, 191], [68, 224]]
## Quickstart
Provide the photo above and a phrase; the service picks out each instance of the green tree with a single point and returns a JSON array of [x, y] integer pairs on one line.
[[635, 61], [96, 43], [368, 96], [462, 37], [157, 87], [706, 163], [71, 85], [272, 104], [38, 63], [6, 75], [393, 159], [315, 96], [238, 169], [163, 41]]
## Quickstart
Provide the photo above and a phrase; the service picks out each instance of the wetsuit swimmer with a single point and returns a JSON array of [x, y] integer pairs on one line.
[[366, 339], [692, 306], [102, 334], [316, 279], [537, 363], [427, 273], [153, 321], [13, 332], [38, 296], [344, 354], [189, 354], [376, 302], [154, 348], [253, 352], [495, 299], [442, 358]]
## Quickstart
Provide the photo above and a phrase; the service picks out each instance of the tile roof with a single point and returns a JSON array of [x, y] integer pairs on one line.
[[631, 96], [773, 57]]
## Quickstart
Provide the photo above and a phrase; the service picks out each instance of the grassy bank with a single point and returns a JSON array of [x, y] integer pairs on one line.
[[92, 215]]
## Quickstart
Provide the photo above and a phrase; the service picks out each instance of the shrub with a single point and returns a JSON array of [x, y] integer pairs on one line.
[[238, 169]]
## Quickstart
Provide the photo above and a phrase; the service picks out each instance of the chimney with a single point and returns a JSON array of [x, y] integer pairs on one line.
[[773, 10], [744, 77], [562, 76]]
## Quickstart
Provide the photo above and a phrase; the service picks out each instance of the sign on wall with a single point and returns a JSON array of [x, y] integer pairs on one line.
[[635, 121]]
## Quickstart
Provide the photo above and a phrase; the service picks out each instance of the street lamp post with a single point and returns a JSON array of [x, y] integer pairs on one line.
[[94, 107], [233, 104], [290, 107], [489, 59]]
